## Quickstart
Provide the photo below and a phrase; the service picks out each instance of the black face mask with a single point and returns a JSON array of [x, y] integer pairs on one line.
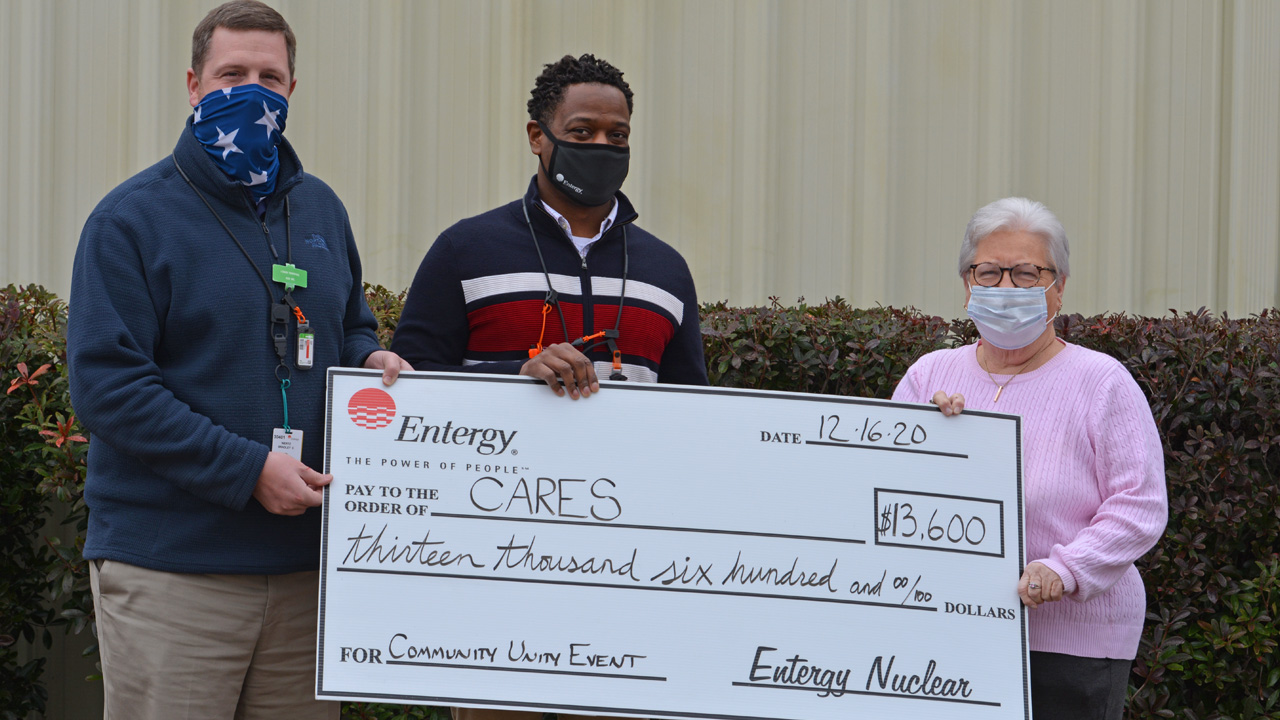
[[587, 173]]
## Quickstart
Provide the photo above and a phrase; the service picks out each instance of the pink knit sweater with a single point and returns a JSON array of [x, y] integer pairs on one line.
[[1093, 482]]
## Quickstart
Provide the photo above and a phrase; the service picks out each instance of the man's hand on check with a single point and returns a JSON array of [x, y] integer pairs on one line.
[[288, 487], [564, 369]]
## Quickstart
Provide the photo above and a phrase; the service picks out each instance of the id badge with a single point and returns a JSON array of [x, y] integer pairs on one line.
[[289, 443], [306, 347]]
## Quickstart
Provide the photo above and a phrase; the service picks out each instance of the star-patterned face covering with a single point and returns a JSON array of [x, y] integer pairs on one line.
[[240, 128]]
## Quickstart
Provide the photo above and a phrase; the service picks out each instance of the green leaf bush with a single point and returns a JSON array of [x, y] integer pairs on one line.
[[41, 457], [1213, 584]]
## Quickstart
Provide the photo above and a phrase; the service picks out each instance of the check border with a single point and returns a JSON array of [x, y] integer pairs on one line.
[[613, 386]]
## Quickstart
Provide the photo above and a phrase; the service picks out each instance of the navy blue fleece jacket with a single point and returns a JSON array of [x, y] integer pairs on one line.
[[173, 370]]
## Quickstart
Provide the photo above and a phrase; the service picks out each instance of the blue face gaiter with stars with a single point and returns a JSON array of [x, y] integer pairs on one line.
[[240, 128]]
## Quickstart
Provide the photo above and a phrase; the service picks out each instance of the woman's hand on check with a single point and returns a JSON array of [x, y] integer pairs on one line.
[[949, 404], [1039, 584]]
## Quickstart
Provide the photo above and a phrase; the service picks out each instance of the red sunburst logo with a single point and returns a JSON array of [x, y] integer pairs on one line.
[[371, 408]]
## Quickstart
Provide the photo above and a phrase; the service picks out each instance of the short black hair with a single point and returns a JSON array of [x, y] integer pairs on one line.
[[548, 89]]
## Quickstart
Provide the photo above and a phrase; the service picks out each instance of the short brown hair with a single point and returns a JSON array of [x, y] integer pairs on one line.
[[239, 15]]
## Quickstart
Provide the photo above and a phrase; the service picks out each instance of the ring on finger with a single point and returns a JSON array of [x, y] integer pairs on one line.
[[1034, 586]]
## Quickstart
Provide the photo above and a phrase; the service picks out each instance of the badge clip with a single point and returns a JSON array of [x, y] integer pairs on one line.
[[279, 328], [306, 341]]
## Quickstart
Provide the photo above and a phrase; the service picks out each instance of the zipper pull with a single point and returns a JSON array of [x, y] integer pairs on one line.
[[584, 262]]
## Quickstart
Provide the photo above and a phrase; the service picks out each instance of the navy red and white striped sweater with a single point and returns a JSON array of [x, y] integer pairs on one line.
[[476, 302]]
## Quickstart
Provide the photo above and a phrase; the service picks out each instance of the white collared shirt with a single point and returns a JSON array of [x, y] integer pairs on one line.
[[582, 243]]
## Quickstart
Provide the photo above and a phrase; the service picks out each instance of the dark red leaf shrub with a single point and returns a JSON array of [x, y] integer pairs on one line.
[[1213, 583]]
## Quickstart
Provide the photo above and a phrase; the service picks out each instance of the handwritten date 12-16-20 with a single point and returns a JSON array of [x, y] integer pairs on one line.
[[900, 434]]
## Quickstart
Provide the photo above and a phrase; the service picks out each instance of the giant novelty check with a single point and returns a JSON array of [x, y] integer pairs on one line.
[[669, 551]]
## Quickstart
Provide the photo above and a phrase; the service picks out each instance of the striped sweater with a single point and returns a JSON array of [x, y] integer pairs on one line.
[[476, 302], [1093, 482]]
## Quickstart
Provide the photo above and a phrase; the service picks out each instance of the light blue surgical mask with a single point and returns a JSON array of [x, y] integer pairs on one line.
[[1009, 317]]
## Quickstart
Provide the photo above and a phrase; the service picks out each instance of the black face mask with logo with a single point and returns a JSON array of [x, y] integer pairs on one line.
[[587, 173]]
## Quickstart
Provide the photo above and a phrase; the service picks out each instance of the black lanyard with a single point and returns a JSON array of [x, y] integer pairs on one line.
[[553, 300], [280, 311]]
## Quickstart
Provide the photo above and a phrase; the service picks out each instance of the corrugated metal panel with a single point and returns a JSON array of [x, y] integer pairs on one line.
[[793, 149], [1250, 245]]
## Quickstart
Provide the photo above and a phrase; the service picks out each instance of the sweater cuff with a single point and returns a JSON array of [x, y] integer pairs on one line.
[[363, 354], [254, 463], [1069, 584]]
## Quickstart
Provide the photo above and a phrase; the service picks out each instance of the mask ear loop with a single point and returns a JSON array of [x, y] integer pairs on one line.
[[551, 162], [1046, 292]]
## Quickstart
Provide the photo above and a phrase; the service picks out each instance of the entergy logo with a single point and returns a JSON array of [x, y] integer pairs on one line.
[[371, 408]]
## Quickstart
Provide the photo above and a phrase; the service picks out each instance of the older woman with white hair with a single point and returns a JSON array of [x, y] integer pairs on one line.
[[1093, 467]]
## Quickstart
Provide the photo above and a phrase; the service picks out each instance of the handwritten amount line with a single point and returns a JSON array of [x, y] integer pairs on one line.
[[578, 673], [742, 533], [820, 689], [963, 456], [459, 576]]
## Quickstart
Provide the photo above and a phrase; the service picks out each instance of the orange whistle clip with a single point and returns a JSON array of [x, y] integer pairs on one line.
[[587, 338], [533, 351]]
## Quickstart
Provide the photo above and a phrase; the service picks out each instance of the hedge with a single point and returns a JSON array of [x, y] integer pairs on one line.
[[43, 584], [1213, 584]]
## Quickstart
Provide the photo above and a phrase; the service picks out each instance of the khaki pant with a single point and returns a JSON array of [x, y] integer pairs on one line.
[[207, 647]]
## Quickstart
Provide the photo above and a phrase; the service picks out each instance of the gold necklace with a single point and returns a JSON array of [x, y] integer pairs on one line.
[[1000, 388]]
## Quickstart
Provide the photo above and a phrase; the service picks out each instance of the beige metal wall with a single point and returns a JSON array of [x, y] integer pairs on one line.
[[791, 148]]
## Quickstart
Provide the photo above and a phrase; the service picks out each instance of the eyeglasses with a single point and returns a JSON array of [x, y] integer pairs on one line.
[[1024, 275]]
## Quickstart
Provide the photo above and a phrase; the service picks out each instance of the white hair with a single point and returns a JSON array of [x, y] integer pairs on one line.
[[1014, 214]]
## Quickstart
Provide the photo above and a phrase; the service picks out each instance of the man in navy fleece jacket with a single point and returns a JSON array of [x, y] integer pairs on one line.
[[204, 391], [510, 291], [560, 285]]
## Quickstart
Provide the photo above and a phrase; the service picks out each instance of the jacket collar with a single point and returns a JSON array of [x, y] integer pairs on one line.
[[539, 217], [210, 178]]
